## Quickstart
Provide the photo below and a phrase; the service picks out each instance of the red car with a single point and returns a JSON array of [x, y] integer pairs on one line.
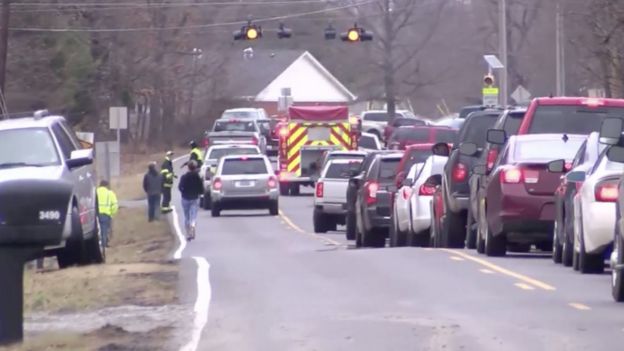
[[414, 154], [398, 122], [404, 136], [518, 198]]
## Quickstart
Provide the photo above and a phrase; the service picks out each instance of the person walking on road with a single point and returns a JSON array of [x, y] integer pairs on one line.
[[152, 185], [107, 208], [196, 155], [191, 187], [166, 171]]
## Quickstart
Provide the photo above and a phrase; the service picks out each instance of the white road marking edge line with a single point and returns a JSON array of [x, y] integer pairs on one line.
[[178, 253], [202, 304]]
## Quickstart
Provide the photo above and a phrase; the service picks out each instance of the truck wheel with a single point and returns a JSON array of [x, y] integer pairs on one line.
[[617, 280], [95, 250], [319, 222], [283, 188], [454, 230], [294, 189], [72, 253], [471, 233], [358, 238], [350, 231], [274, 208], [206, 201], [215, 211]]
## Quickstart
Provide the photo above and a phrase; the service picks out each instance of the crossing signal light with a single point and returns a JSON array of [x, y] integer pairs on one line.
[[356, 34], [488, 80], [248, 32], [283, 32]]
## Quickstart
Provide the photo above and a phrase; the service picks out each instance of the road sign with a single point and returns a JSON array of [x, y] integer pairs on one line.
[[493, 61], [490, 96], [118, 117], [521, 95]]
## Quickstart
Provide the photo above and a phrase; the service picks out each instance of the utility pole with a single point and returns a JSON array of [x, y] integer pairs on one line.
[[4, 41], [560, 51], [502, 35], [196, 56]]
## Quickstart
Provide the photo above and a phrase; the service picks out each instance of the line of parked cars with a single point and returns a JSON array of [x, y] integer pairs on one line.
[[546, 177]]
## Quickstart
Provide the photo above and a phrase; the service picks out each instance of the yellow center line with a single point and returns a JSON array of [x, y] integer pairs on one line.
[[524, 286], [502, 270], [579, 306], [486, 271], [455, 258], [298, 229]]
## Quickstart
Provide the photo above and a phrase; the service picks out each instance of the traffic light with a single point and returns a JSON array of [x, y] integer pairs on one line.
[[248, 32], [330, 33], [283, 32], [356, 34], [488, 80]]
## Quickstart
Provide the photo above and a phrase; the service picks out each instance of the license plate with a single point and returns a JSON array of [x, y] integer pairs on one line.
[[244, 183]]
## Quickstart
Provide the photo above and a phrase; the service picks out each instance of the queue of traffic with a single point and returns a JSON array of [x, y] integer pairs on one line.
[[543, 178]]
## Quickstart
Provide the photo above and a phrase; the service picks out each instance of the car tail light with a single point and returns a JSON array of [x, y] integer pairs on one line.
[[254, 141], [217, 184], [426, 190], [593, 102], [459, 172], [272, 182], [406, 192], [319, 189], [283, 132], [491, 158], [511, 176], [567, 166], [370, 192], [606, 192]]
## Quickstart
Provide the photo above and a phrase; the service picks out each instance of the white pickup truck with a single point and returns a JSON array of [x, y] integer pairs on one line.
[[330, 195]]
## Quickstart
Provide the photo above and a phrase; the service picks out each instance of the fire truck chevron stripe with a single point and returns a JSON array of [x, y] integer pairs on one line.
[[295, 144], [340, 139], [294, 157]]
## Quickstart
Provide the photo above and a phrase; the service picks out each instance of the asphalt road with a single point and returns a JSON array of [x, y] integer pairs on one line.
[[276, 286]]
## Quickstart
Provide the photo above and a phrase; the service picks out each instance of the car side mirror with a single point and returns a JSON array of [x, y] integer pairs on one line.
[[611, 131], [441, 149], [616, 153], [556, 166], [577, 176], [80, 158], [468, 149], [480, 170], [434, 180], [496, 136]]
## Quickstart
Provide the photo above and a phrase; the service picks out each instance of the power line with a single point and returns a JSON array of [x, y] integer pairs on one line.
[[198, 26]]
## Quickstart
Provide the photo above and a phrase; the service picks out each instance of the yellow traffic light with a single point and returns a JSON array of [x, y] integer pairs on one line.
[[252, 33], [353, 34]]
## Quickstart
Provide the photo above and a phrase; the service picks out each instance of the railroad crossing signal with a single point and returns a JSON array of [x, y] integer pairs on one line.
[[248, 32], [356, 34]]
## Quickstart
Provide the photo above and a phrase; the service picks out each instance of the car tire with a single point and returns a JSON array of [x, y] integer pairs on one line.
[[358, 238], [95, 250], [294, 189], [617, 278], [494, 245], [284, 189], [567, 252], [589, 263], [557, 251], [454, 230], [350, 230], [206, 201], [74, 250], [471, 233], [397, 238], [420, 239], [319, 222], [215, 211], [373, 238], [274, 208]]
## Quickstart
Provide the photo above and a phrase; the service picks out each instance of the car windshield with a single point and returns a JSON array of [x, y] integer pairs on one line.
[[475, 130], [571, 119], [415, 156], [341, 170], [546, 150], [240, 114], [368, 142], [376, 116], [216, 154], [445, 136], [234, 126], [345, 157], [412, 135], [388, 169], [27, 147], [244, 165], [401, 122]]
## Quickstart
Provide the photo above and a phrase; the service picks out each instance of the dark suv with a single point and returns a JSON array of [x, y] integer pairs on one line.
[[50, 181], [455, 186], [372, 206]]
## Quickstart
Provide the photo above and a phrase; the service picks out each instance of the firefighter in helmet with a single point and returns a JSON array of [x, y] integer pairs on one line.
[[166, 171], [196, 155]]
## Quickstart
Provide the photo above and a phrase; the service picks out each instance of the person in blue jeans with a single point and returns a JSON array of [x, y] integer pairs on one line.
[[107, 208], [191, 187], [152, 185]]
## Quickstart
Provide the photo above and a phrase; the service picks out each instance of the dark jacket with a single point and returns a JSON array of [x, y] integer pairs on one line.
[[191, 186], [152, 182]]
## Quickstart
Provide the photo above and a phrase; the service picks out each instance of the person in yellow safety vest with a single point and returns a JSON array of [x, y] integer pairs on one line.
[[107, 208], [166, 171], [196, 155]]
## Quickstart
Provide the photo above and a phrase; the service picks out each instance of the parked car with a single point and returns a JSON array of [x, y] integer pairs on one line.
[[48, 190], [563, 231], [374, 121], [373, 201], [594, 213], [417, 153], [616, 154], [404, 136], [455, 186], [356, 180], [211, 160], [369, 142], [244, 182], [518, 198], [267, 129], [236, 131], [244, 113], [398, 122], [336, 155], [411, 217], [509, 121], [330, 195]]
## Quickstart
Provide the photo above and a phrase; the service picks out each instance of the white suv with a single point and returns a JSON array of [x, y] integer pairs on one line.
[[374, 121]]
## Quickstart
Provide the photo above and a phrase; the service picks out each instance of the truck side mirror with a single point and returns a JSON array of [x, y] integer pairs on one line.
[[611, 131], [556, 166], [616, 153], [496, 136], [80, 158]]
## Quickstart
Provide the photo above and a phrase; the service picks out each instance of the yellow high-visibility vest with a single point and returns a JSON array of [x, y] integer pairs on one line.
[[107, 202]]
